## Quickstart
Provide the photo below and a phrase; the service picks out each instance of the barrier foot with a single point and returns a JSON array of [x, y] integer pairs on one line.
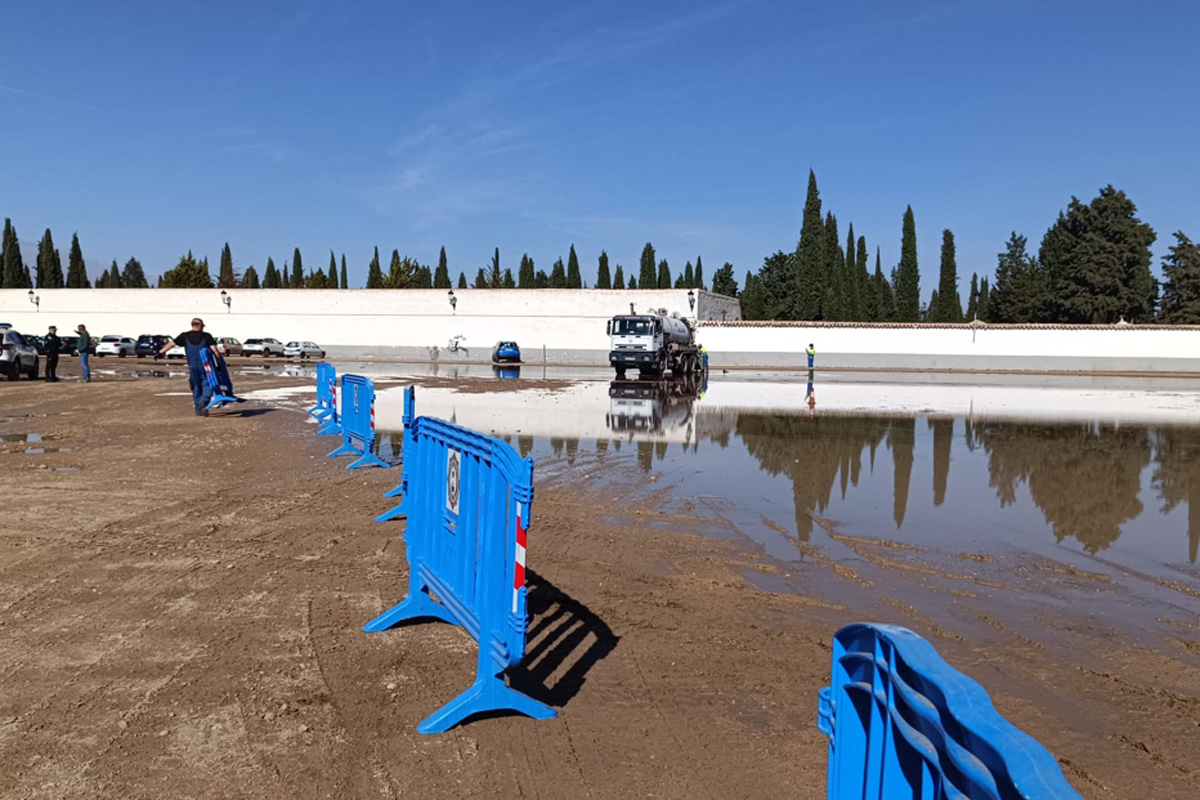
[[396, 512], [368, 459], [330, 429], [417, 604], [345, 450], [319, 413], [220, 401], [487, 694], [397, 492]]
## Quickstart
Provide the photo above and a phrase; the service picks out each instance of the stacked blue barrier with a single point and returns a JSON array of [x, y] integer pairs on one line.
[[217, 377], [902, 723], [331, 422], [357, 418], [326, 381], [401, 490], [468, 499]]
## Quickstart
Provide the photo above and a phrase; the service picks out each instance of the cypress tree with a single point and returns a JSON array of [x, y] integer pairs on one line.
[[558, 275], [679, 284], [753, 301], [495, 277], [345, 283], [688, 277], [114, 276], [250, 278], [664, 275], [908, 276], [985, 301], [949, 305], [526, 274], [401, 273], [866, 291], [806, 288], [332, 275], [574, 279], [698, 276], [49, 265], [481, 280], [854, 300], [541, 280], [1181, 282], [297, 281], [422, 276], [508, 283], [833, 301], [317, 280], [15, 275], [973, 299], [132, 276], [271, 279], [632, 282], [374, 272], [648, 276], [1021, 291], [76, 270], [441, 276], [603, 279], [462, 280], [619, 278], [285, 276], [887, 298], [225, 278]]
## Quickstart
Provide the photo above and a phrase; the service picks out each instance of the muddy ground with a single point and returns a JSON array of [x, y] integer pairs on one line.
[[182, 601]]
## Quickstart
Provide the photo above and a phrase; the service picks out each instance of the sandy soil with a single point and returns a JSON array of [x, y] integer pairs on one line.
[[182, 616]]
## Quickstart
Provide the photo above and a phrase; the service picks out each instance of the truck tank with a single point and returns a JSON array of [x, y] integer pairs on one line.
[[676, 331]]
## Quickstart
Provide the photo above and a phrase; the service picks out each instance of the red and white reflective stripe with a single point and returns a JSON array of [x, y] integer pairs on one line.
[[372, 417], [519, 571]]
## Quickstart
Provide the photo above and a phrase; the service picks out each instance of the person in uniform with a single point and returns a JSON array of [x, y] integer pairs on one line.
[[194, 342], [52, 345]]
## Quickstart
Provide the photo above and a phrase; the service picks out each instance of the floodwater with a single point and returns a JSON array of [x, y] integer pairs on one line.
[[1099, 476]]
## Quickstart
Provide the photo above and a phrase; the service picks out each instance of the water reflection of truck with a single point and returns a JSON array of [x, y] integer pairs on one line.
[[653, 407], [653, 344]]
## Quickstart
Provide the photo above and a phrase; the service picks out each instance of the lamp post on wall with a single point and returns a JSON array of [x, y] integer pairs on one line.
[[692, 300], [453, 301], [33, 298], [227, 300]]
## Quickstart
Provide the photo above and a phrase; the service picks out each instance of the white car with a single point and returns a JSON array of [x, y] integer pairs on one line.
[[177, 352], [116, 346], [303, 350], [262, 347]]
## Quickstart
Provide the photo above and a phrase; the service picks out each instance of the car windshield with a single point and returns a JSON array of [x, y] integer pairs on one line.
[[111, 339], [254, 341], [632, 327]]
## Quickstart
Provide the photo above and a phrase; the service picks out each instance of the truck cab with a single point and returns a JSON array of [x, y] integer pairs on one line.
[[636, 342]]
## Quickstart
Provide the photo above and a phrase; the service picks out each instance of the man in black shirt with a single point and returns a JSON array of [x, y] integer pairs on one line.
[[52, 345], [195, 342]]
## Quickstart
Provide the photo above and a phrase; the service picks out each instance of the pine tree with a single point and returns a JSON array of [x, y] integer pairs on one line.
[[401, 272], [648, 277], [1021, 293], [250, 278], [317, 280], [973, 299], [806, 288], [132, 276], [495, 276], [1097, 260], [441, 276], [603, 279], [332, 275], [225, 276], [619, 278], [1181, 282], [14, 273], [558, 275], [574, 279], [462, 280], [949, 305], [187, 274], [481, 280], [374, 273], [664, 275], [49, 265], [908, 276], [688, 276], [724, 282], [526, 274], [271, 279], [698, 275], [345, 283], [77, 277], [297, 281]]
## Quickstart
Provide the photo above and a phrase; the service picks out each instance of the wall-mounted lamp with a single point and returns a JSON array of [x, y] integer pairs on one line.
[[691, 300], [453, 301], [33, 298], [227, 300]]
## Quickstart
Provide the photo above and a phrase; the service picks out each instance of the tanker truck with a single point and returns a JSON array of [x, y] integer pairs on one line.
[[653, 343]]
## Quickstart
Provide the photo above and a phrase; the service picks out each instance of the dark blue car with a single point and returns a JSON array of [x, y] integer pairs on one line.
[[506, 353]]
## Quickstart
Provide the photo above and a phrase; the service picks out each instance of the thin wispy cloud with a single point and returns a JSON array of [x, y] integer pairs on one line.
[[48, 98]]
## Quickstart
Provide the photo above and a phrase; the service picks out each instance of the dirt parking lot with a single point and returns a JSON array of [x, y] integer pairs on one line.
[[183, 600]]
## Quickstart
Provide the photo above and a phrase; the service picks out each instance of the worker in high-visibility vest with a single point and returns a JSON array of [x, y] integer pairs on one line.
[[812, 354], [704, 357]]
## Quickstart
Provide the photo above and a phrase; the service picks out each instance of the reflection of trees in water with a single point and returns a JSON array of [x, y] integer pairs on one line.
[[524, 445], [1177, 477], [813, 453], [943, 435], [1085, 478], [645, 455], [902, 439]]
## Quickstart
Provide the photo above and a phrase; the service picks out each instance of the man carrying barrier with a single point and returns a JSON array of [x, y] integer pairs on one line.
[[902, 723], [194, 342], [220, 386], [358, 422], [468, 504]]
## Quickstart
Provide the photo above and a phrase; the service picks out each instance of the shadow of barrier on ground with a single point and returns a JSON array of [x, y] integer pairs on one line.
[[469, 500], [902, 723], [358, 423], [218, 380], [326, 383]]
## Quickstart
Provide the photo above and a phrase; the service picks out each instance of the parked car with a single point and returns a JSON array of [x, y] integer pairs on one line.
[[18, 355], [149, 344], [229, 346], [66, 345], [303, 350], [177, 352], [506, 353], [262, 347], [116, 346]]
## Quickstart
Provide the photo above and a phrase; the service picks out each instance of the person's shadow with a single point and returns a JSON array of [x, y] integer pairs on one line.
[[564, 640]]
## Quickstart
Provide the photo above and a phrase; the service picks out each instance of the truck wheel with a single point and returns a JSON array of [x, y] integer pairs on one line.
[[620, 374]]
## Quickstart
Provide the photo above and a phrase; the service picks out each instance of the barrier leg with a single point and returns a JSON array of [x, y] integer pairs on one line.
[[488, 693], [369, 459], [397, 492], [330, 428], [395, 512], [417, 604]]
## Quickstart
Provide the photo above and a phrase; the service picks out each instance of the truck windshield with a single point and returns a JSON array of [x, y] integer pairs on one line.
[[632, 327]]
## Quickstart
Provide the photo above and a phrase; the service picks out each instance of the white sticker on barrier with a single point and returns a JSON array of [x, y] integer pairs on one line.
[[453, 475]]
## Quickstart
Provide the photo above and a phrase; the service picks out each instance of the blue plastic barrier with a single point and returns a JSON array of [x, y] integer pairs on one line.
[[902, 723], [218, 380], [358, 422], [469, 503], [401, 490], [331, 422], [326, 383]]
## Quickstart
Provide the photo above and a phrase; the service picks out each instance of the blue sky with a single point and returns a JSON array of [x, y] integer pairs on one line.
[[153, 128]]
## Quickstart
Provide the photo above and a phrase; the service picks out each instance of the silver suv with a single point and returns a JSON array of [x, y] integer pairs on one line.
[[17, 355]]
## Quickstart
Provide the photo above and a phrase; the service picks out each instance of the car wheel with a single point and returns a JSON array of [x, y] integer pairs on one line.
[[304, 355], [33, 373], [120, 354], [15, 372]]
